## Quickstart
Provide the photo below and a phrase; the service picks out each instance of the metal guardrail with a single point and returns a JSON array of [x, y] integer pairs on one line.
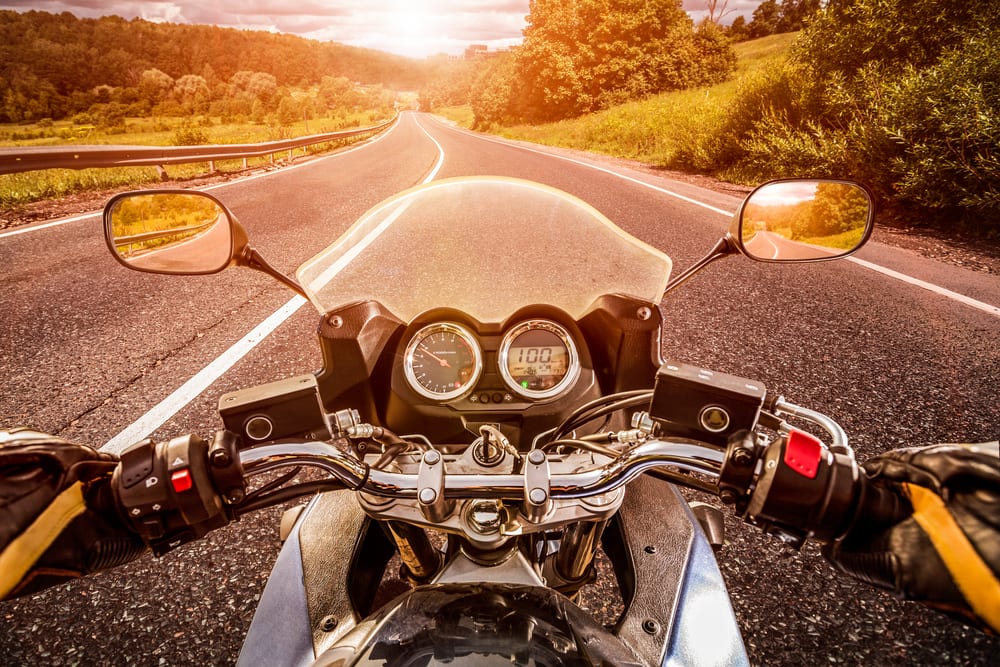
[[16, 160]]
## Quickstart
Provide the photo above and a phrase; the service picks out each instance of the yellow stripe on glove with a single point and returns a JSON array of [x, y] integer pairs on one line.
[[23, 552], [972, 576]]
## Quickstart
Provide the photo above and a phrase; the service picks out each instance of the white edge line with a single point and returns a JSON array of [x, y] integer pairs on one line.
[[172, 404], [961, 298], [955, 296], [246, 179], [188, 391], [644, 184]]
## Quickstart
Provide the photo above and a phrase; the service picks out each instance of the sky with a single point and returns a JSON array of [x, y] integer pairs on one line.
[[415, 28]]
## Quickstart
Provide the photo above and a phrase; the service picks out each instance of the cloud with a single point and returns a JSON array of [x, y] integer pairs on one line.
[[408, 27]]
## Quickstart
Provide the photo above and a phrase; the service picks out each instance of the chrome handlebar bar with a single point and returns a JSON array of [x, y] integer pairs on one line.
[[687, 455]]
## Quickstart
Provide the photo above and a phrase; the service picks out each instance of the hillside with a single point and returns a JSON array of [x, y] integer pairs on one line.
[[51, 65], [663, 130]]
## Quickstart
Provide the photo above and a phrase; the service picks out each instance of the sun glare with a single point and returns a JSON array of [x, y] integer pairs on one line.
[[412, 26]]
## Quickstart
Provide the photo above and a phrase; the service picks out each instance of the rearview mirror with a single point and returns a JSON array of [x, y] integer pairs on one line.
[[804, 220], [169, 231]]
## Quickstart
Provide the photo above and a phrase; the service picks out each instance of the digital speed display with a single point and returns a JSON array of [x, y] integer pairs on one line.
[[538, 359]]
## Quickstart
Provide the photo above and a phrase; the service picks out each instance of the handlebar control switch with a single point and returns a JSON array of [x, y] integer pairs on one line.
[[805, 491], [167, 492], [692, 402]]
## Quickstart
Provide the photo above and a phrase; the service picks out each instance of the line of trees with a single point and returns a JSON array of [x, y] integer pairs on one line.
[[771, 18], [57, 65], [582, 55]]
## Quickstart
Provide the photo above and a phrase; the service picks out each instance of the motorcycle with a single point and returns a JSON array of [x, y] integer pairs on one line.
[[492, 412]]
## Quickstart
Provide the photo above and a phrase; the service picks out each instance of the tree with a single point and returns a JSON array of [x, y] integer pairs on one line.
[[717, 10], [738, 30], [191, 91], [582, 55], [155, 85], [765, 19]]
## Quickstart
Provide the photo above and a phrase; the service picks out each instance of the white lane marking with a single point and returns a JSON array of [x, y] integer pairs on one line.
[[188, 391], [54, 223], [955, 296], [437, 167], [172, 404], [597, 168], [328, 274], [240, 181], [961, 298]]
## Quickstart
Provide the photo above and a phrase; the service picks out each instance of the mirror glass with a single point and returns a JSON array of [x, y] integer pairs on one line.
[[805, 220], [182, 233]]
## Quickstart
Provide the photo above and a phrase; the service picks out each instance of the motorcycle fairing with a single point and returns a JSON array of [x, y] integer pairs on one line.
[[678, 586]]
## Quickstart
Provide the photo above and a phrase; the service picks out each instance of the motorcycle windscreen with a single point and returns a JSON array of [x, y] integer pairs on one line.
[[487, 246], [482, 624]]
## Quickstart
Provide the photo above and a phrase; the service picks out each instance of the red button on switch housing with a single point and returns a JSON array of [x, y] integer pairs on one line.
[[803, 453], [181, 480]]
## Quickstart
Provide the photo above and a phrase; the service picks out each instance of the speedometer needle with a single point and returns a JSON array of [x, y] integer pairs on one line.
[[443, 362]]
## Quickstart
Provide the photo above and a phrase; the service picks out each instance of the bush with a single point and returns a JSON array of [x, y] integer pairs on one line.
[[917, 118], [941, 127], [189, 135]]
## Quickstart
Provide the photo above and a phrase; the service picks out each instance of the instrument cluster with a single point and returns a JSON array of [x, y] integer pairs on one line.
[[535, 359]]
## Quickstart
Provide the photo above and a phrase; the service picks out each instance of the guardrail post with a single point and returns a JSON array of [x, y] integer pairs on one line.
[[211, 166], [162, 173]]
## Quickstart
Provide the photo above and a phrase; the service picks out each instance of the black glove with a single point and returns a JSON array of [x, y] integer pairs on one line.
[[58, 517], [946, 553]]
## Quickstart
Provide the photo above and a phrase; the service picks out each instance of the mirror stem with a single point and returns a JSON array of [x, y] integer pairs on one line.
[[723, 248], [252, 259]]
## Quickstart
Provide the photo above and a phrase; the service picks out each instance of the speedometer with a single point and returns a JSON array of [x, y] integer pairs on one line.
[[442, 361], [538, 359]]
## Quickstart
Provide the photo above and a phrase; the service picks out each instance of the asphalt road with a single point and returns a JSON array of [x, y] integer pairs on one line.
[[88, 347]]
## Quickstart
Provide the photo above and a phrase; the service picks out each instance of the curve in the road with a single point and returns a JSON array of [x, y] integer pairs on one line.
[[955, 296]]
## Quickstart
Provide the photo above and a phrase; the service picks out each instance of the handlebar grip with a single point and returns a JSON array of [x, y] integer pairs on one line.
[[878, 507]]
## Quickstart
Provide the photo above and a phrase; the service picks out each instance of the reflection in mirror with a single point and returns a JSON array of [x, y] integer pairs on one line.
[[181, 233], [805, 220]]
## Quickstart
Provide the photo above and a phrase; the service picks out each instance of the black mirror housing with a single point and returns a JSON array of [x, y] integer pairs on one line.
[[174, 232], [803, 220]]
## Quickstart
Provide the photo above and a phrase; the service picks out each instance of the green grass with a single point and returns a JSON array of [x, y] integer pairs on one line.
[[844, 241], [23, 188], [664, 130]]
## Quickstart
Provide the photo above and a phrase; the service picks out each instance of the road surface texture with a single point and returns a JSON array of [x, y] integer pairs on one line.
[[87, 348]]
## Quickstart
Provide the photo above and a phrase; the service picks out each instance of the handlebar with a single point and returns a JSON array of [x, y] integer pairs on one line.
[[685, 454], [795, 487]]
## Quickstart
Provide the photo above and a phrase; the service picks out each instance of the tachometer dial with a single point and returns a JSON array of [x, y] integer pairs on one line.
[[442, 361], [538, 359]]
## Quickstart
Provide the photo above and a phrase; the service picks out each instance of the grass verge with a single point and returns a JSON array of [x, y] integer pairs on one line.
[[32, 186], [668, 130]]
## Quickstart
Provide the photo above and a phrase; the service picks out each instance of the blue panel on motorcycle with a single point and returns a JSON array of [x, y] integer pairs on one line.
[[803, 453]]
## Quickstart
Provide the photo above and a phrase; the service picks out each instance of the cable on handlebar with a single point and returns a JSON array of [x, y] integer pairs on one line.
[[255, 502], [601, 407]]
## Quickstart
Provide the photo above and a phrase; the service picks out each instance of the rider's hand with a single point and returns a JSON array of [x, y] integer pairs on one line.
[[58, 518], [946, 553]]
